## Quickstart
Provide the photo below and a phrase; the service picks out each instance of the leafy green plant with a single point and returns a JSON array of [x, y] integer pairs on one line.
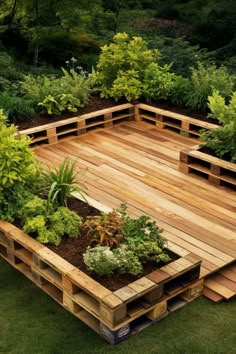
[[206, 79], [47, 225], [58, 94], [105, 230], [17, 168], [223, 139], [103, 260], [62, 103], [180, 90], [61, 182], [124, 57], [143, 237], [158, 82], [127, 85]]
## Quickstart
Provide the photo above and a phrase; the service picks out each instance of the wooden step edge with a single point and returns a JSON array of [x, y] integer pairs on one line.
[[219, 289], [212, 295]]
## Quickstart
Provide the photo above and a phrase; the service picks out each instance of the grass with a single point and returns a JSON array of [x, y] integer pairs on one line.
[[32, 323]]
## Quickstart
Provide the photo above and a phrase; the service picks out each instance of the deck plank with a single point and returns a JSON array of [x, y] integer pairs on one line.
[[136, 163]]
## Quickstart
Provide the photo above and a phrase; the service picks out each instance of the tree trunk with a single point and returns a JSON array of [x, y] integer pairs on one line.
[[13, 13]]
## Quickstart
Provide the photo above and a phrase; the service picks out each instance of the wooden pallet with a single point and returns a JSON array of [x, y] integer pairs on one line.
[[217, 171], [53, 132], [111, 314], [221, 286], [163, 119]]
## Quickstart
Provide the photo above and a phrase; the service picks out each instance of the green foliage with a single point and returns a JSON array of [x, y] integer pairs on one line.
[[158, 82], [65, 222], [63, 103], [127, 84], [17, 168], [105, 230], [12, 202], [36, 206], [223, 139], [124, 56], [16, 108], [16, 158], [102, 260], [206, 79], [180, 90], [47, 225], [9, 73], [65, 93], [143, 237], [178, 53], [60, 183]]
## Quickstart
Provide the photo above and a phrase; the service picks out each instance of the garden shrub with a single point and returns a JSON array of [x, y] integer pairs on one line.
[[206, 79], [17, 169], [158, 82], [124, 57], [16, 108], [68, 92], [128, 85], [223, 139], [180, 90]]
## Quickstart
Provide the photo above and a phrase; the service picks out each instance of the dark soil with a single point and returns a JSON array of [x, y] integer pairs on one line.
[[96, 103], [211, 152], [72, 251]]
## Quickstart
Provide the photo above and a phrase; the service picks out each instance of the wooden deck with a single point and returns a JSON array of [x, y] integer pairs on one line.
[[137, 163]]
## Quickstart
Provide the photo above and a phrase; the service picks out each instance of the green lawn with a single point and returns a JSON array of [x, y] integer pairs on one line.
[[31, 323]]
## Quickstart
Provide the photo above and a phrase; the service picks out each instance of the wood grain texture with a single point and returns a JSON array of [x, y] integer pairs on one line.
[[137, 163]]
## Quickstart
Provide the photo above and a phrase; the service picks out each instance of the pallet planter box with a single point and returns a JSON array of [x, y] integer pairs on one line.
[[218, 172], [113, 315], [179, 123], [51, 133]]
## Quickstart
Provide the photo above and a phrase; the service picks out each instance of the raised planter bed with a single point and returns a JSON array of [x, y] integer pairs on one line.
[[114, 315], [179, 123], [217, 171], [51, 133]]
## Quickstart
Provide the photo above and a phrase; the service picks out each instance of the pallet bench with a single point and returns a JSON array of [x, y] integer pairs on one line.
[[114, 315], [163, 119], [218, 172]]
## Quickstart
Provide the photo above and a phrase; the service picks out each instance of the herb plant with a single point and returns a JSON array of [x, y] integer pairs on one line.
[[104, 260], [48, 225]]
